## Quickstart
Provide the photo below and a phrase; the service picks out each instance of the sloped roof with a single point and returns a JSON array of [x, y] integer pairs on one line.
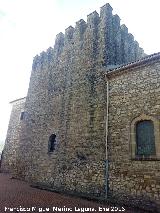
[[19, 99], [131, 65]]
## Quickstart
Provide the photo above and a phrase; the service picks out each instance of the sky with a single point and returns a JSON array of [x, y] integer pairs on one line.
[[28, 27]]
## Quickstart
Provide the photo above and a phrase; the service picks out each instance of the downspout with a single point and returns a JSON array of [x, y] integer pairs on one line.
[[106, 154]]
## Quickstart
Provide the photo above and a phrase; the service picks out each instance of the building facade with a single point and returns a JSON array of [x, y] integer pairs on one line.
[[90, 122]]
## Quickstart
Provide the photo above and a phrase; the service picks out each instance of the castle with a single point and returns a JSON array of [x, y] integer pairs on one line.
[[90, 124]]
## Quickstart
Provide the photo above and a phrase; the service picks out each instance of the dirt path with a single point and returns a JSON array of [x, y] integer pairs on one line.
[[18, 196]]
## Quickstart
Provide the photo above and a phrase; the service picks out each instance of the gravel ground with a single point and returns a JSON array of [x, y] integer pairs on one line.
[[18, 196]]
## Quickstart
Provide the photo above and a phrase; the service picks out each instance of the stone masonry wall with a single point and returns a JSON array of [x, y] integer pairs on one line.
[[11, 148], [67, 97], [133, 93]]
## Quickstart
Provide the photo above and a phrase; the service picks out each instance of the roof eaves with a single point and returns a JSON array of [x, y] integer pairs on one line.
[[134, 64], [19, 99]]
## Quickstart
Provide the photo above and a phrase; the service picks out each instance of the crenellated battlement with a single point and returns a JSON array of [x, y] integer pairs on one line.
[[116, 23], [131, 36], [105, 11], [69, 34], [50, 54], [93, 19], [43, 58], [124, 29], [115, 45], [35, 62], [80, 28], [116, 19], [59, 41]]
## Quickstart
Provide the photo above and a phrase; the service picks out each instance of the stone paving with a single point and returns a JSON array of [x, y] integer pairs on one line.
[[18, 196]]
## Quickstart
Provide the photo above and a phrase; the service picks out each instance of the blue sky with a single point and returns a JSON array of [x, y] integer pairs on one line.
[[28, 27]]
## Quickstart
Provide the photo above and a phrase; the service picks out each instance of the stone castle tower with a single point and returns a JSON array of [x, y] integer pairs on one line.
[[66, 97], [61, 139]]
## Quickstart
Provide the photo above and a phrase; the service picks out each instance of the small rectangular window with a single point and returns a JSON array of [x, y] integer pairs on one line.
[[22, 115], [52, 143]]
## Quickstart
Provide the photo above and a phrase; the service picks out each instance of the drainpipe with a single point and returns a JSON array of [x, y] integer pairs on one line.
[[106, 154]]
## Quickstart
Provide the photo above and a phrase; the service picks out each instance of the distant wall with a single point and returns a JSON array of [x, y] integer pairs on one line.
[[1, 146], [11, 148]]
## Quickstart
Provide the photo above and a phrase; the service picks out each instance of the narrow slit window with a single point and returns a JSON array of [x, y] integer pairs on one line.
[[52, 143], [22, 115]]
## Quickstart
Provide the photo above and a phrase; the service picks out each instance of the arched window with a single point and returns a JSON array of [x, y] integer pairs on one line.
[[52, 143], [145, 139]]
